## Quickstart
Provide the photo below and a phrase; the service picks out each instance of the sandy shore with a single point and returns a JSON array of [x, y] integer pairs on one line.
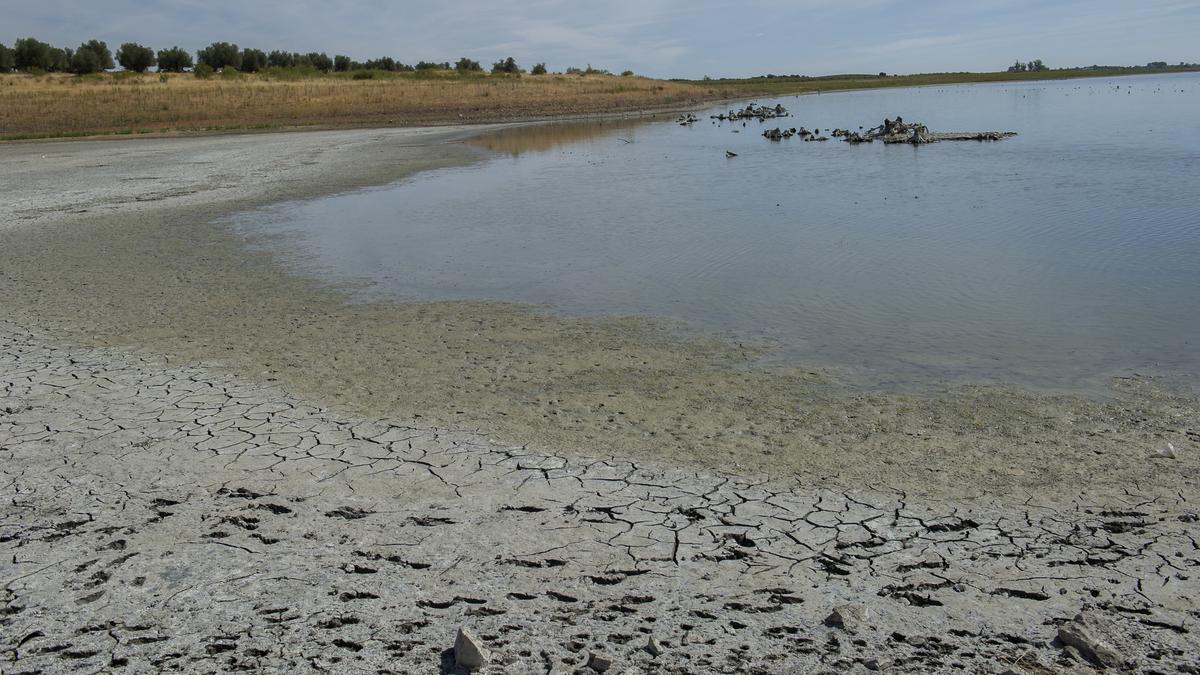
[[211, 464]]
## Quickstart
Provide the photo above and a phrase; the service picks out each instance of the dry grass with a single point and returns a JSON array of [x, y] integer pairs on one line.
[[122, 103], [62, 105]]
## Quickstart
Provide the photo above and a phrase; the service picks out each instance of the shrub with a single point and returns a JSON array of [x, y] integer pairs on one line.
[[508, 65], [173, 60], [364, 75], [135, 57], [423, 65], [627, 73], [203, 71], [219, 55], [466, 65], [539, 69]]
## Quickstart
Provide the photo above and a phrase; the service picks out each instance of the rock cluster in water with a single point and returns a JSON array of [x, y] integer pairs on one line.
[[804, 134], [752, 111], [891, 131]]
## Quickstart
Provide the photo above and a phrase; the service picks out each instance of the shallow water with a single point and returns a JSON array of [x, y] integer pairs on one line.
[[1053, 259]]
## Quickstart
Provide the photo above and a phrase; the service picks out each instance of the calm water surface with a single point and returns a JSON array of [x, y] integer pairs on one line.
[[1053, 259]]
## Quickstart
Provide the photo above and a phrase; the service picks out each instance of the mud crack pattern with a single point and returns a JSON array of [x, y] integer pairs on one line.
[[159, 517]]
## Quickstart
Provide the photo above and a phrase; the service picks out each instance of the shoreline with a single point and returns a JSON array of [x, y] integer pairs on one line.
[[611, 113], [165, 273], [408, 444]]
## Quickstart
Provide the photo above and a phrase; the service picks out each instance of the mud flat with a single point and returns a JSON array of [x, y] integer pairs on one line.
[[209, 464]]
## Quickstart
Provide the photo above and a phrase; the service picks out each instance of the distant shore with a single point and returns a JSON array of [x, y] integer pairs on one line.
[[130, 105]]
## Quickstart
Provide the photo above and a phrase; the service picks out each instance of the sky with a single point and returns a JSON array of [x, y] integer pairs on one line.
[[659, 38]]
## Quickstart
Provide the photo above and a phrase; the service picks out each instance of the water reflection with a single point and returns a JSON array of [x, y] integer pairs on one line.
[[518, 140], [1052, 259]]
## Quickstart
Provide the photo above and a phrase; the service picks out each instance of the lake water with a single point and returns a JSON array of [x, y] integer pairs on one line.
[[1053, 259]]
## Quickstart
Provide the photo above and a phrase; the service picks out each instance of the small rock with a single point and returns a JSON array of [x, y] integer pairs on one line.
[[877, 664], [1168, 452], [469, 652], [653, 648], [1086, 636], [849, 618], [598, 663]]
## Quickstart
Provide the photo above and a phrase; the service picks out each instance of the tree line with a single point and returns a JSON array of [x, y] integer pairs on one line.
[[1034, 66], [32, 55]]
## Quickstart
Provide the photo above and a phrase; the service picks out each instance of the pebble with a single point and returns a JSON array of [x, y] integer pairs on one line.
[[598, 663], [847, 617], [469, 652], [1085, 636]]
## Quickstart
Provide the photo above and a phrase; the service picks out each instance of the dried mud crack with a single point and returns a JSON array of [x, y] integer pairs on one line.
[[158, 517]]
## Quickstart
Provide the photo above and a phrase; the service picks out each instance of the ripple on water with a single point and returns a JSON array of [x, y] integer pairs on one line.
[[1051, 259]]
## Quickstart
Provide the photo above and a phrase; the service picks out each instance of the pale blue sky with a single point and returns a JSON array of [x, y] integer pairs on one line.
[[663, 38]]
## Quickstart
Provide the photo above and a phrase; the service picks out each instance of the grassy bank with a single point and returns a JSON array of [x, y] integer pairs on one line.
[[49, 106], [794, 85]]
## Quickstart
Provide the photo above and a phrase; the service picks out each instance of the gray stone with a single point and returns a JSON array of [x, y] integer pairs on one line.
[[1086, 636], [850, 618], [598, 663], [469, 652]]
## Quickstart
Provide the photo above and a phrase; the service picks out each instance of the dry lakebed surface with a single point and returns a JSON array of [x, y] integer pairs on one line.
[[210, 464]]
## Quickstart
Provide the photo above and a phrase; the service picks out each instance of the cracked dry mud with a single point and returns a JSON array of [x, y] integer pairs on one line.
[[190, 521]]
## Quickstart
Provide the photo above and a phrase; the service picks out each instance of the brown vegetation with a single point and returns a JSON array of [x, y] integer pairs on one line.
[[57, 105], [60, 105]]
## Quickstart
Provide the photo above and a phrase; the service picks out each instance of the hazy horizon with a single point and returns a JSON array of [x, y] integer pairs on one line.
[[659, 38]]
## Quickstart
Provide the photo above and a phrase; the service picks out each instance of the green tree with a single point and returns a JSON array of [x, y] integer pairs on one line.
[[508, 65], [320, 61], [253, 60], [6, 59], [174, 60], [280, 59], [539, 69], [465, 65], [85, 61], [29, 53], [135, 57], [60, 60], [342, 63], [220, 55], [103, 55]]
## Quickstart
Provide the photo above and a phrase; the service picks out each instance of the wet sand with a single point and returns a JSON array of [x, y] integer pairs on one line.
[[667, 478]]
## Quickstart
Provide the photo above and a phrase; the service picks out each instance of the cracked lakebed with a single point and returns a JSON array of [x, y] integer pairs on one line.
[[210, 464]]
